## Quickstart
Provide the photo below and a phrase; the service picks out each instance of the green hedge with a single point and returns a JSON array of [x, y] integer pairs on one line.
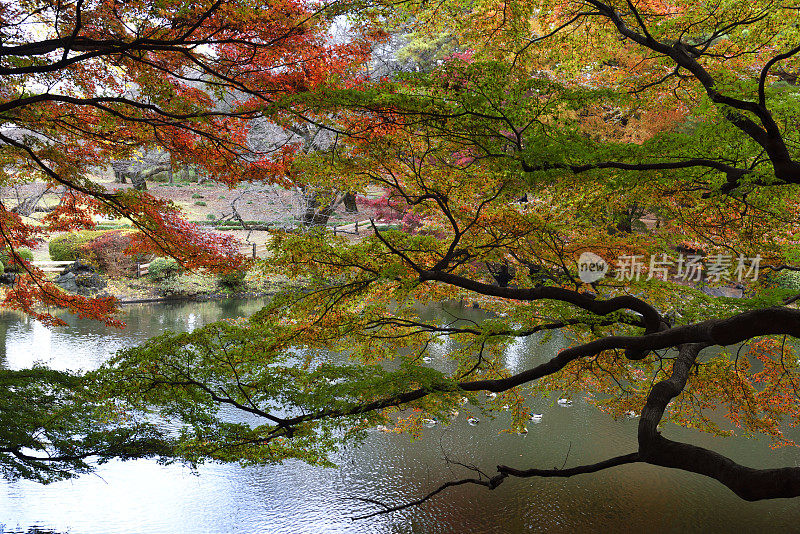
[[5, 259], [67, 247], [161, 268], [112, 226]]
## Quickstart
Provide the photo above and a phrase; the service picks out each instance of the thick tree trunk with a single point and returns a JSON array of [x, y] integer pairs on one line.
[[138, 181], [350, 205], [27, 206], [120, 169], [312, 215]]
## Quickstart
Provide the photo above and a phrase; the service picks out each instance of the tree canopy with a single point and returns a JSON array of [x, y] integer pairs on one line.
[[658, 136]]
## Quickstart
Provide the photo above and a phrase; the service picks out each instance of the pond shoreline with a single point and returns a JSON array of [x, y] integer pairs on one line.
[[198, 298]]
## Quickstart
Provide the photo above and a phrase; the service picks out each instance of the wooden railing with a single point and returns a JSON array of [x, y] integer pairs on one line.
[[358, 226], [142, 269], [254, 249]]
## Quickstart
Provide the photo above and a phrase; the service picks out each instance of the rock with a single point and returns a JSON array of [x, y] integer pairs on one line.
[[79, 267], [8, 278], [67, 282], [81, 278], [91, 280]]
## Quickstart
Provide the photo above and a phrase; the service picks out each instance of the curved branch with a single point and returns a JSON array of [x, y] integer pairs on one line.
[[630, 458], [652, 318], [762, 79], [734, 174], [503, 473], [767, 135], [722, 332], [746, 482]]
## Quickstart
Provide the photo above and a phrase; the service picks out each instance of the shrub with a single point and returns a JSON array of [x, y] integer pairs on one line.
[[197, 195], [200, 203], [233, 279], [67, 247], [112, 226], [211, 217], [9, 265], [108, 253], [162, 268], [787, 280]]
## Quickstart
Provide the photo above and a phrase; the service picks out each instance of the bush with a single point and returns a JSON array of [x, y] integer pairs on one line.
[[211, 217], [112, 226], [9, 265], [787, 280], [107, 253], [162, 268], [67, 247], [200, 203], [197, 195], [233, 279]]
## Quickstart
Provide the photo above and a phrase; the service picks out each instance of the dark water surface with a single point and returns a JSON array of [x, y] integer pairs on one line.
[[144, 497]]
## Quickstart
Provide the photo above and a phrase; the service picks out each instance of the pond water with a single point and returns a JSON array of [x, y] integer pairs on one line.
[[144, 497]]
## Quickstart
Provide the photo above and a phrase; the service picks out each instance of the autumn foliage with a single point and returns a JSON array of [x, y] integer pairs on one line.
[[93, 82], [624, 129]]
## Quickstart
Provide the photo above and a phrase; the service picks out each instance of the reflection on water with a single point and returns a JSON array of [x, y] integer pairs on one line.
[[144, 497]]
